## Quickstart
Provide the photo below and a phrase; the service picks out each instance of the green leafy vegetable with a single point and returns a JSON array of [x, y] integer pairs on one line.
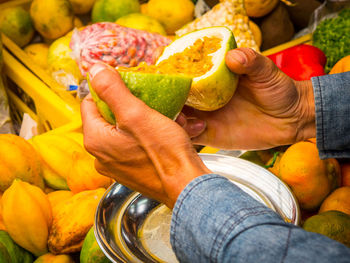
[[332, 36]]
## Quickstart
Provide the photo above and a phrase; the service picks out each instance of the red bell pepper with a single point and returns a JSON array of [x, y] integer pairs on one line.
[[300, 62]]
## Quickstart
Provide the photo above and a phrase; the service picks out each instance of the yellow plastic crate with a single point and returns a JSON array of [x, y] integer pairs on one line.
[[44, 106]]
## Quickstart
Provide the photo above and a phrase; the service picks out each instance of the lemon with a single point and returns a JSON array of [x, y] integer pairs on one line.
[[16, 24], [334, 224], [59, 58], [82, 6], [52, 18], [38, 53], [172, 14], [212, 88], [111, 10], [141, 22]]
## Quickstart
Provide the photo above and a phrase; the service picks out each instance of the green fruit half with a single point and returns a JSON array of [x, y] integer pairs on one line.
[[166, 94], [214, 88]]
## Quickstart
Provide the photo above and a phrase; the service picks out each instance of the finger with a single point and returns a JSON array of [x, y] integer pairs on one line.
[[249, 62], [92, 121], [110, 88], [195, 127], [90, 114]]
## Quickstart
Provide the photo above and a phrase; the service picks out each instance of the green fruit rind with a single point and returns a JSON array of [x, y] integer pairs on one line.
[[15, 22], [16, 253], [111, 10], [334, 224], [166, 94], [215, 88], [91, 252]]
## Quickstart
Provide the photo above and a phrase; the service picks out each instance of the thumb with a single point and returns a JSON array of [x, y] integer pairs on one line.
[[110, 88], [249, 62]]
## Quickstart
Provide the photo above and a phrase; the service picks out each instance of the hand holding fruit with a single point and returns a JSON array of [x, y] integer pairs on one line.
[[268, 108], [146, 151]]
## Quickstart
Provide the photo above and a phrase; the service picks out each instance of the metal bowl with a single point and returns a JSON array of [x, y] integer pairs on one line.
[[130, 227]]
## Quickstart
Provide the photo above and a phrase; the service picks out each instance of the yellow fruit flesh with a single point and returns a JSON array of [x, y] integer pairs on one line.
[[194, 61]]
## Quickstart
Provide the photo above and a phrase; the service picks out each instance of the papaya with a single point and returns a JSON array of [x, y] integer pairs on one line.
[[91, 252], [73, 220], [56, 151], [83, 175], [11, 252], [58, 197], [2, 226], [18, 160], [27, 216], [51, 258]]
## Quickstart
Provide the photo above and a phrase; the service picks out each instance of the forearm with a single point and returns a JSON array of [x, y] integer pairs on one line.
[[214, 221]]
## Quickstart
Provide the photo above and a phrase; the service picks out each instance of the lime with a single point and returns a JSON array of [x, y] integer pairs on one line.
[[141, 22], [333, 224], [52, 18], [111, 10], [201, 54], [15, 23]]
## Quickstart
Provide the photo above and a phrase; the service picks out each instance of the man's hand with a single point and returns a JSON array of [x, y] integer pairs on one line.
[[145, 151], [268, 108]]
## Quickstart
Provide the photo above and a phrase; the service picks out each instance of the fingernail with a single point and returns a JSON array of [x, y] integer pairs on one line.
[[96, 68], [240, 57], [198, 125]]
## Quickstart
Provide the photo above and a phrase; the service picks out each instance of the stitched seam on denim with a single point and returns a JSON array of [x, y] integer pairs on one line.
[[181, 202], [322, 117], [232, 227], [287, 245]]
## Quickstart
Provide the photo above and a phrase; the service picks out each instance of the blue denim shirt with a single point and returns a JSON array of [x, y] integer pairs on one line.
[[215, 221], [332, 105]]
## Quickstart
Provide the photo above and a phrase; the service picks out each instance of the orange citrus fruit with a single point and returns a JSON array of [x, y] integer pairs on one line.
[[338, 200], [310, 178], [345, 174], [333, 224]]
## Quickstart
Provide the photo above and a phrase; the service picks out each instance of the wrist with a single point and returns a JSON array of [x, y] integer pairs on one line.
[[306, 125]]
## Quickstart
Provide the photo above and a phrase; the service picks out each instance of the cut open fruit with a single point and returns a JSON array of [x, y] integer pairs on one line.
[[213, 83], [164, 93], [191, 70]]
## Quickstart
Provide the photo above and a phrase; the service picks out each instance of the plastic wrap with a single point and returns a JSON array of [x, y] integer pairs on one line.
[[115, 45], [329, 9]]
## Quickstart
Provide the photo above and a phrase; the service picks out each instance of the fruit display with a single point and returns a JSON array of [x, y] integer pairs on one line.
[[169, 56]]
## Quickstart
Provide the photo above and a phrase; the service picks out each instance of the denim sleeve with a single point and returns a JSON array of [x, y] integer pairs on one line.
[[332, 104], [215, 221]]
